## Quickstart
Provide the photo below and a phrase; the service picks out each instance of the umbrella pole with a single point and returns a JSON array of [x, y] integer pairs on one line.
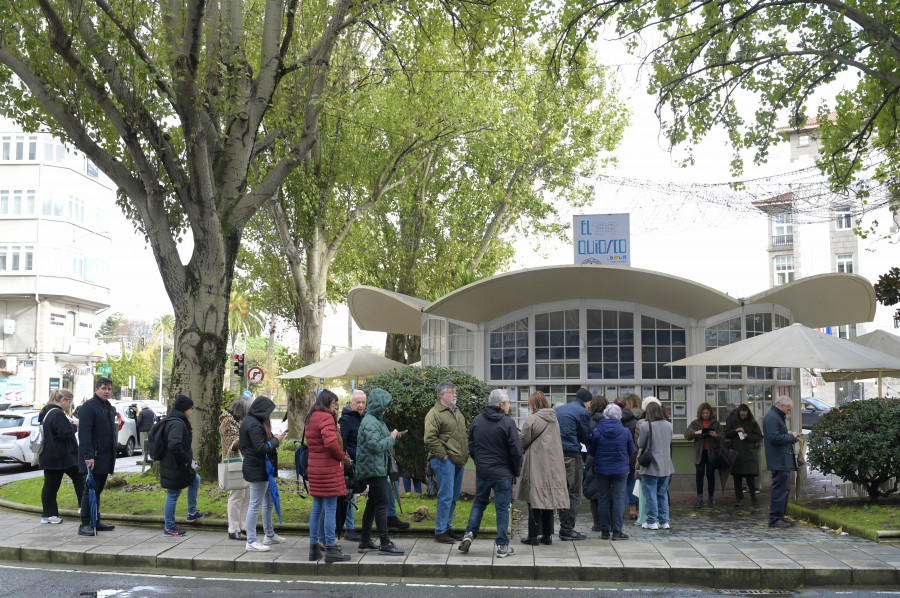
[[879, 385]]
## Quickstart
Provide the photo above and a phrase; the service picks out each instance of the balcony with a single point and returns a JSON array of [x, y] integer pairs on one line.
[[782, 240]]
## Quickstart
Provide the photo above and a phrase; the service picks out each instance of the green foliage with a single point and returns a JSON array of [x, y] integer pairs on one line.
[[887, 290], [860, 443], [141, 366], [110, 325], [414, 393]]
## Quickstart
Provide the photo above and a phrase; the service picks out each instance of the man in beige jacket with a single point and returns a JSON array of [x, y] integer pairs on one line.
[[447, 439]]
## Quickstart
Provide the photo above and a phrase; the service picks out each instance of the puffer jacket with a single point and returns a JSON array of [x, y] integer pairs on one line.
[[374, 443], [325, 473], [229, 432], [175, 471], [612, 446], [778, 442], [253, 440], [494, 445], [97, 435], [446, 434], [60, 445]]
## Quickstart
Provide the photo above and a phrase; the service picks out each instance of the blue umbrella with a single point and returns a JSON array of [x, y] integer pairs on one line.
[[91, 484], [273, 487]]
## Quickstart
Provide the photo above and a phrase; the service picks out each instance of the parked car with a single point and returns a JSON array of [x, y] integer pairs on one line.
[[126, 416], [158, 409], [16, 428], [812, 409]]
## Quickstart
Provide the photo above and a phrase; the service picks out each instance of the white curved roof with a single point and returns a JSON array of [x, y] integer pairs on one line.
[[816, 301]]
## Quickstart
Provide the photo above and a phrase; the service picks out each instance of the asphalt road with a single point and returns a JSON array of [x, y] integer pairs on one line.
[[10, 472]]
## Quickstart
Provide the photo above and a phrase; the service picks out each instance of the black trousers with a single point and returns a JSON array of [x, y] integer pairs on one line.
[[739, 486], [52, 481], [540, 522], [376, 510], [705, 469], [100, 478]]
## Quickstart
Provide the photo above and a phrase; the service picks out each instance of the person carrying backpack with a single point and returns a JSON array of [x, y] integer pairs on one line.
[[60, 453], [177, 468]]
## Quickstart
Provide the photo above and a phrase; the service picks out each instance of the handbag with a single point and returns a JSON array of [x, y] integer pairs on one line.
[[231, 475], [645, 459]]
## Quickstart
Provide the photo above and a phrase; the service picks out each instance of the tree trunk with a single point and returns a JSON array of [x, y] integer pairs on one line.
[[403, 348]]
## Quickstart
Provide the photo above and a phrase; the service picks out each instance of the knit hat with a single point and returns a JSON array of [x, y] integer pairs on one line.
[[649, 400], [183, 403], [584, 395]]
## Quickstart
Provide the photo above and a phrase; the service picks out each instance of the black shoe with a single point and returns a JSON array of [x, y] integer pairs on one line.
[[712, 501], [530, 541], [351, 535], [571, 535], [699, 501], [396, 523], [456, 535], [315, 553], [367, 546], [444, 538], [192, 517], [753, 500], [86, 530], [596, 528], [619, 536], [389, 548], [105, 527], [739, 503], [547, 540], [241, 536], [604, 535], [333, 554]]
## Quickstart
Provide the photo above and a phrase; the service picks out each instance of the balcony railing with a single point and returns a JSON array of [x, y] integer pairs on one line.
[[782, 240]]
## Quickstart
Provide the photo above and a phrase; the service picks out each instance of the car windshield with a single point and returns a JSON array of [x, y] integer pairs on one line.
[[11, 421], [810, 402]]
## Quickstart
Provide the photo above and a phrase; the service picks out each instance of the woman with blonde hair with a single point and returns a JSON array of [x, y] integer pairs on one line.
[[543, 483], [60, 453]]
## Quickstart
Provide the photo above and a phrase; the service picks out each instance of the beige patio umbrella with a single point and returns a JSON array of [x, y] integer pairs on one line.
[[880, 341], [352, 364]]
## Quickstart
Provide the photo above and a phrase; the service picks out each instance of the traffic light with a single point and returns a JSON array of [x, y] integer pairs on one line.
[[239, 365]]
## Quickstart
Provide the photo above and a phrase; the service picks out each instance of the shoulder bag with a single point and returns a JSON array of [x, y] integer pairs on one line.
[[231, 476], [645, 459]]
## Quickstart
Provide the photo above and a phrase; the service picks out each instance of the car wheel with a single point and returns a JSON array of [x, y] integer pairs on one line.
[[129, 447]]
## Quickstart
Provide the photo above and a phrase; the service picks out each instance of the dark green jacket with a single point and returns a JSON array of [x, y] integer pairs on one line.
[[446, 434], [374, 443]]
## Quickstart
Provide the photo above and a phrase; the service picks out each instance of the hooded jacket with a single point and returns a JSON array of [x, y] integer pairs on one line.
[[253, 440], [325, 472], [97, 435], [494, 445], [175, 471], [612, 446], [543, 483], [349, 425], [60, 445], [374, 443]]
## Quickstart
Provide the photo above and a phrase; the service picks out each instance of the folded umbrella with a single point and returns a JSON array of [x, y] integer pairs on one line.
[[91, 484], [273, 487]]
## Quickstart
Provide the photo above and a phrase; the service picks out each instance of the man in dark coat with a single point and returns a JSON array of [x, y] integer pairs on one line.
[[177, 468], [779, 458], [497, 451], [351, 417], [145, 420], [97, 436], [574, 431]]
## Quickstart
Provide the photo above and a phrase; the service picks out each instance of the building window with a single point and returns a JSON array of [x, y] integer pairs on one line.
[[461, 348], [610, 344], [661, 343], [784, 269], [557, 345], [757, 324], [432, 341], [16, 258], [783, 229], [845, 263], [17, 202], [720, 335], [802, 140], [843, 219], [509, 351]]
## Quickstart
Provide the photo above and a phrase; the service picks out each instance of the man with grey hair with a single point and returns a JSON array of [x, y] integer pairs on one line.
[[779, 458], [351, 417], [497, 451], [448, 451]]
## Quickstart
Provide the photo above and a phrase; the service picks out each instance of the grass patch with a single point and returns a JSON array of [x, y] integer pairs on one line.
[[860, 512], [141, 494]]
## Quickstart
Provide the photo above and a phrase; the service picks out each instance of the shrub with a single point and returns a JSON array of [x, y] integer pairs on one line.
[[860, 443], [414, 392]]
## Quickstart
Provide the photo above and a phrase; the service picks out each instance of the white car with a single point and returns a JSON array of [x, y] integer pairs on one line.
[[16, 429]]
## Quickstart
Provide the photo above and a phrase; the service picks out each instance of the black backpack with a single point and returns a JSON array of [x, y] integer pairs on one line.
[[301, 461], [156, 440]]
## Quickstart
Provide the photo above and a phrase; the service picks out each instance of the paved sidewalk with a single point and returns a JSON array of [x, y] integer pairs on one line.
[[693, 555]]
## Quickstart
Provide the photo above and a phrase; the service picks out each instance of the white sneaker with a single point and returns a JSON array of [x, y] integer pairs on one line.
[[257, 546], [51, 519], [665, 526], [650, 526], [276, 539]]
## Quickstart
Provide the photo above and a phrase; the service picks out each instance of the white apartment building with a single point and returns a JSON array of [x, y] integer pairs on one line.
[[801, 246], [54, 279]]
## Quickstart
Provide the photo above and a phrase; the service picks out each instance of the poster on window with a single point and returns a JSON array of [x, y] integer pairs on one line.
[[602, 239]]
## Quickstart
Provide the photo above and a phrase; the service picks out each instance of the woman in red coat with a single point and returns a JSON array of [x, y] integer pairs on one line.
[[325, 475]]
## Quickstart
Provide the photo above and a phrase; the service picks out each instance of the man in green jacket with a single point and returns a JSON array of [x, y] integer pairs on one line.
[[447, 439]]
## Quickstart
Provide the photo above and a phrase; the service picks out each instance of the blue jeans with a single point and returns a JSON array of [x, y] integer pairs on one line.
[[449, 482], [260, 499], [781, 485], [655, 492], [502, 488], [172, 500], [416, 485], [612, 501], [392, 505], [324, 508], [629, 489]]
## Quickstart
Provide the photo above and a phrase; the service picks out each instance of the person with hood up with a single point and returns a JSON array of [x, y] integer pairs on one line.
[[60, 453], [374, 447], [177, 470], [497, 451], [257, 441], [229, 432], [543, 484], [612, 446]]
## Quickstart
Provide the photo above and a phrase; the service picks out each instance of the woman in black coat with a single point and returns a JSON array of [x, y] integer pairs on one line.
[[177, 467], [744, 434], [60, 453]]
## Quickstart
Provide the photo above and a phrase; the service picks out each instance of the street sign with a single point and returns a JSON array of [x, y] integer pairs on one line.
[[104, 369], [255, 375]]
